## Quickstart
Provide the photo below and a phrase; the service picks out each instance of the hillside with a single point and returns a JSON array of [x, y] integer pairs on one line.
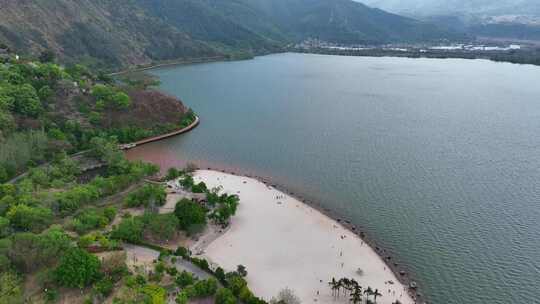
[[46, 109], [114, 32], [125, 33]]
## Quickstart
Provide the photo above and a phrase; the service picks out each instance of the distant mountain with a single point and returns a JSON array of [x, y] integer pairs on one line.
[[131, 32], [452, 7], [506, 19], [346, 21]]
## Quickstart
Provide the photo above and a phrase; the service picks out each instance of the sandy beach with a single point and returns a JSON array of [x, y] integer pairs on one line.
[[286, 243]]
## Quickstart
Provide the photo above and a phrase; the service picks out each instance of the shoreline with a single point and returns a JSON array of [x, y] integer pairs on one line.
[[148, 140], [492, 57], [171, 63], [398, 270]]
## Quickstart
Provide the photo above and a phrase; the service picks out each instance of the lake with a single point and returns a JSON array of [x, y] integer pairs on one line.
[[437, 160]]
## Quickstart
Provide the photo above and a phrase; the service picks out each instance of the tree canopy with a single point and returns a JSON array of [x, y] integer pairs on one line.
[[78, 268]]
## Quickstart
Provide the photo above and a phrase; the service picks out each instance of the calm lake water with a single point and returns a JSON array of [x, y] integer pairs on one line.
[[438, 160]]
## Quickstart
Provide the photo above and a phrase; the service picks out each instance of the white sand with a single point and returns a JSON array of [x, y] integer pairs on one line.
[[293, 245]]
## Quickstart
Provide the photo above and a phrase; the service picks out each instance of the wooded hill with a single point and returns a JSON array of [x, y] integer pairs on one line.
[[124, 33]]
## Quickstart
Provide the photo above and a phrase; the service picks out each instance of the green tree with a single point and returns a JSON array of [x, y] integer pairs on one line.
[[26, 100], [235, 283], [104, 287], [190, 215], [130, 229], [199, 188], [242, 270], [102, 92], [77, 268], [45, 93], [109, 97], [120, 100]]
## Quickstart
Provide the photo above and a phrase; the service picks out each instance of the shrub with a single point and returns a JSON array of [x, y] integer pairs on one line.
[[11, 289], [224, 296], [187, 182], [17, 150], [185, 279], [205, 288], [172, 271], [183, 252], [51, 295], [173, 173], [160, 226], [156, 293], [182, 298], [114, 265], [104, 287], [245, 294], [160, 267], [109, 213], [89, 219], [147, 195], [26, 218], [202, 263]]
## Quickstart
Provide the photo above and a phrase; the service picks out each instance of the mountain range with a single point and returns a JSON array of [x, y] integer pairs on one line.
[[502, 19], [124, 33]]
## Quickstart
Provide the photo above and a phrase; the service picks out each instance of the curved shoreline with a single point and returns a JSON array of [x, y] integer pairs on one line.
[[241, 238], [399, 270], [141, 142]]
